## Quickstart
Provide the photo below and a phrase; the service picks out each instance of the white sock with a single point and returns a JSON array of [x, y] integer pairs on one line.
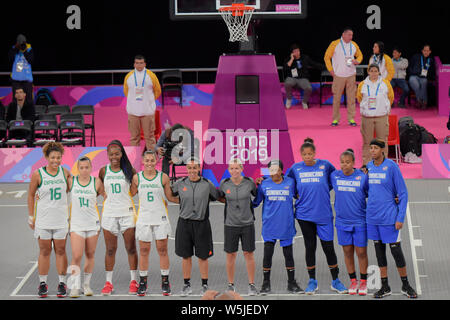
[[62, 278], [43, 278], [109, 275], [87, 278], [143, 273], [133, 275], [164, 272]]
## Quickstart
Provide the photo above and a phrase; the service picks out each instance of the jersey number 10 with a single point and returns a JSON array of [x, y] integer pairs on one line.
[[115, 188]]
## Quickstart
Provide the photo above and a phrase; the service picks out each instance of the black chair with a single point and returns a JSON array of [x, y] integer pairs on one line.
[[20, 133], [172, 81], [71, 116], [40, 109], [72, 133], [45, 131], [87, 110], [58, 109], [47, 116], [3, 132]]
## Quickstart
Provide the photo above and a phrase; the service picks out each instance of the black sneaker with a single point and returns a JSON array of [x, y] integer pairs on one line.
[[383, 292], [62, 290], [293, 287], [408, 291], [43, 290], [165, 286], [142, 289], [265, 289]]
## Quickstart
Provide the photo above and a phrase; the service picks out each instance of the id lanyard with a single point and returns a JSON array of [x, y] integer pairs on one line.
[[375, 59], [143, 81], [427, 65], [373, 101], [343, 48]]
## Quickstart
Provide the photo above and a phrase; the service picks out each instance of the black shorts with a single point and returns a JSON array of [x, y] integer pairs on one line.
[[192, 234], [245, 234]]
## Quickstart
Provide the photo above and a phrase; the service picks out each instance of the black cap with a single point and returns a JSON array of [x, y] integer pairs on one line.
[[379, 143]]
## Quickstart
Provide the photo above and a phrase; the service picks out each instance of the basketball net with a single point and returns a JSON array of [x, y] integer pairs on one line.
[[237, 17]]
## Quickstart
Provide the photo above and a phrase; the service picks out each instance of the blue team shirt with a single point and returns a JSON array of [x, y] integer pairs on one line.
[[385, 183], [313, 186], [351, 193], [278, 221]]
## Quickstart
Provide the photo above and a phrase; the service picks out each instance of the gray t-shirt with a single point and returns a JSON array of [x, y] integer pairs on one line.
[[195, 197], [238, 208]]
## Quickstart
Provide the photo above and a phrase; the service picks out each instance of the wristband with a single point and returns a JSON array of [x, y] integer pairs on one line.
[[30, 219]]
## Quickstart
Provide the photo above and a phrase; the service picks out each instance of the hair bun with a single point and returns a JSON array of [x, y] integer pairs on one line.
[[308, 140], [350, 150]]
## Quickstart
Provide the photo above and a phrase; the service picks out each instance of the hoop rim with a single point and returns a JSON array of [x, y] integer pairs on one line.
[[237, 7]]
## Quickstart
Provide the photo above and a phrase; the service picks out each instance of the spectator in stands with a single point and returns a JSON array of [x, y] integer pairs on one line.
[[296, 70], [375, 97], [422, 69], [341, 59], [399, 80], [175, 149], [383, 61], [19, 110], [22, 57], [142, 89], [22, 109]]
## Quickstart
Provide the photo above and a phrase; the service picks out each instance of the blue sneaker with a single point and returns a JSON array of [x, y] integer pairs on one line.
[[336, 285], [312, 287]]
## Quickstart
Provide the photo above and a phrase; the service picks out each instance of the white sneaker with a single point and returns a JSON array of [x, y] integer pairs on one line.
[[75, 293], [288, 103], [305, 105], [87, 290]]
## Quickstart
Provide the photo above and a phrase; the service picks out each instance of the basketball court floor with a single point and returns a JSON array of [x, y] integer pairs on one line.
[[425, 240]]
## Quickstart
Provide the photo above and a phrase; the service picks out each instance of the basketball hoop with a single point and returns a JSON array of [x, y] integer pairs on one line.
[[237, 17]]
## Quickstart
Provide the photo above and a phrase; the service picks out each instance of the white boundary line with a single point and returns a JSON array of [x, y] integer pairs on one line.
[[25, 279], [413, 251]]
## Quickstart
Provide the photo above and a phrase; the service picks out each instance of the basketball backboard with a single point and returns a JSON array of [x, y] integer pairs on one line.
[[264, 9]]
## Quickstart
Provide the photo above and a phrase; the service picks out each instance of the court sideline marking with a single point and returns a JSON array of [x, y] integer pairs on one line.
[[414, 243]]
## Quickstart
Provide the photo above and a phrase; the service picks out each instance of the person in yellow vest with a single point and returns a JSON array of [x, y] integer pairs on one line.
[[385, 63], [142, 89], [375, 96], [341, 59]]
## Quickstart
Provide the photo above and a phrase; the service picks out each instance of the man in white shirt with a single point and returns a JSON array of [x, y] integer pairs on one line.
[[142, 89], [341, 59]]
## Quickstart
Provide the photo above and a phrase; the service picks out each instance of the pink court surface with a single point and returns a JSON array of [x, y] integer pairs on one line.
[[314, 122]]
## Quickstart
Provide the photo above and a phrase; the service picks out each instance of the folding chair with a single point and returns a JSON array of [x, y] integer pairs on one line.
[[394, 136], [18, 132], [40, 109], [172, 81], [72, 133], [3, 132], [45, 131], [87, 110]]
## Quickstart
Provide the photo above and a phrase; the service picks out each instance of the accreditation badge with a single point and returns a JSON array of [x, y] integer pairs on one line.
[[294, 73], [424, 73], [139, 93], [349, 61], [372, 103], [19, 66]]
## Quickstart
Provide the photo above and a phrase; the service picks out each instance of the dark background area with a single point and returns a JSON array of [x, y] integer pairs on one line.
[[111, 34]]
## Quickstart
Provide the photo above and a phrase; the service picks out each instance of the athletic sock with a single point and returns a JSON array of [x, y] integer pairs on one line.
[[204, 282], [334, 272], [405, 280], [165, 278], [143, 273], [109, 276], [352, 275], [291, 274], [187, 281], [266, 274], [43, 278], [62, 278], [363, 276], [143, 279], [312, 273], [384, 282], [87, 278], [164, 272], [133, 275]]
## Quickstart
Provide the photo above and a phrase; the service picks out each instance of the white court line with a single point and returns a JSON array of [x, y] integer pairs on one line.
[[413, 251], [25, 279]]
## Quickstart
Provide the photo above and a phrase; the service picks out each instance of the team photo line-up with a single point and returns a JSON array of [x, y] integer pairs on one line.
[[369, 204]]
